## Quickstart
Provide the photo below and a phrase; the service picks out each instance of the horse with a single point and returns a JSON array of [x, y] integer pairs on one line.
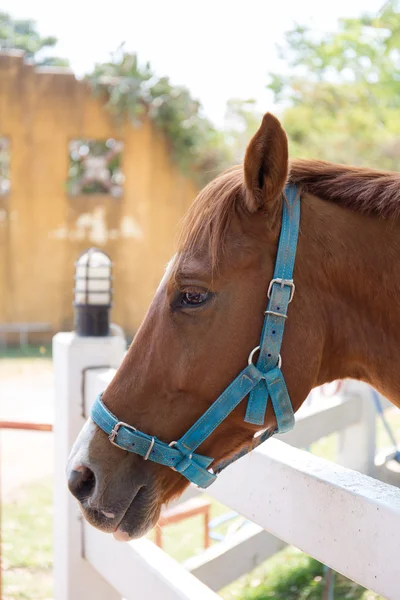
[[208, 312]]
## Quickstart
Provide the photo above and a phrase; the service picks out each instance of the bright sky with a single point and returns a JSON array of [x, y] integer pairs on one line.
[[220, 49]]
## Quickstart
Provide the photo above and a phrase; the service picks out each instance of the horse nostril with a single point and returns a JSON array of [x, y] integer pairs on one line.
[[81, 483]]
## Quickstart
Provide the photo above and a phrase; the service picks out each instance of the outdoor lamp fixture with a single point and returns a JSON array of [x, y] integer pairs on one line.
[[93, 293]]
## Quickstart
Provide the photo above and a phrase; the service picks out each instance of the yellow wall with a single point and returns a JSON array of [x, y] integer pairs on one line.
[[43, 230]]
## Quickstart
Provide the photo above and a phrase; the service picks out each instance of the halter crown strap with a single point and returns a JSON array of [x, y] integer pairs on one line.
[[260, 381]]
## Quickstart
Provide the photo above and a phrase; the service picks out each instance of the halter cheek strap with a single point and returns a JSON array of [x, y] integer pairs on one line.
[[259, 381], [280, 293]]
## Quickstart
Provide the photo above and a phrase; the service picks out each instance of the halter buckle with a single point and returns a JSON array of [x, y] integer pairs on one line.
[[115, 429], [282, 282]]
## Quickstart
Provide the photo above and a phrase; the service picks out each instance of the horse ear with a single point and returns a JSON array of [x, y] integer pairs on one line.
[[266, 165]]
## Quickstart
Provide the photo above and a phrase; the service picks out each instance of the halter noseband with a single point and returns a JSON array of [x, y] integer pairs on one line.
[[260, 381]]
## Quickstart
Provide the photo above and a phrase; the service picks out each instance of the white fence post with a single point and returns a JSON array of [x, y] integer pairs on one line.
[[74, 577], [357, 443]]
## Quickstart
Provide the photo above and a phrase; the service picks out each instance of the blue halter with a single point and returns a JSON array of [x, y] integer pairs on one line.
[[259, 381]]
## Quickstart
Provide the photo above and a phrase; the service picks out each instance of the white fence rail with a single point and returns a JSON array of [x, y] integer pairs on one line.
[[345, 519], [140, 569], [237, 555]]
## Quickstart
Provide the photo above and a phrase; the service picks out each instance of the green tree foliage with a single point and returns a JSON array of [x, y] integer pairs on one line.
[[343, 93], [133, 90], [23, 35]]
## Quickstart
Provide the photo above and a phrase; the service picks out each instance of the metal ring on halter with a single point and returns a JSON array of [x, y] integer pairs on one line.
[[146, 456], [171, 445], [252, 353]]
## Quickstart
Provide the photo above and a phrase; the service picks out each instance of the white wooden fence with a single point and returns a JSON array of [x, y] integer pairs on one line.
[[339, 516]]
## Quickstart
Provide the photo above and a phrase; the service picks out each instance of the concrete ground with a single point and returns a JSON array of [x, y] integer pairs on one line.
[[26, 394]]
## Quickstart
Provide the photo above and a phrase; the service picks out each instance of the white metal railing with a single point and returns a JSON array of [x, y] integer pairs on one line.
[[342, 518]]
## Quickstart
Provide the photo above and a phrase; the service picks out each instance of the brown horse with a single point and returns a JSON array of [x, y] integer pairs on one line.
[[207, 315]]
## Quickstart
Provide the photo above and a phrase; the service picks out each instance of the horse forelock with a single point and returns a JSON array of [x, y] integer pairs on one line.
[[209, 218]]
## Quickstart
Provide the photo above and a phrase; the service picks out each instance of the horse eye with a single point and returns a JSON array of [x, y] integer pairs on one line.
[[194, 298]]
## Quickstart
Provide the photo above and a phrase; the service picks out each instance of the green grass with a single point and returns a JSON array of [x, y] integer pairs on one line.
[[27, 543], [292, 575], [28, 351]]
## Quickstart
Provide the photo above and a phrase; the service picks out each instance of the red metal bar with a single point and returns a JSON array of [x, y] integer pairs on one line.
[[26, 426]]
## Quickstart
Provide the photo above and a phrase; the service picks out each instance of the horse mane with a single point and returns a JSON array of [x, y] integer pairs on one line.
[[363, 190]]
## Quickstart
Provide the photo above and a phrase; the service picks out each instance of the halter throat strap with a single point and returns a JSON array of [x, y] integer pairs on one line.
[[259, 381]]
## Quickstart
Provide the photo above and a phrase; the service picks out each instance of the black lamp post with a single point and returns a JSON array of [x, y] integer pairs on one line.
[[93, 293]]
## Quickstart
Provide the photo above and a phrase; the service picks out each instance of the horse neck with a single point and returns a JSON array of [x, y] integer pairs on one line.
[[358, 284]]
